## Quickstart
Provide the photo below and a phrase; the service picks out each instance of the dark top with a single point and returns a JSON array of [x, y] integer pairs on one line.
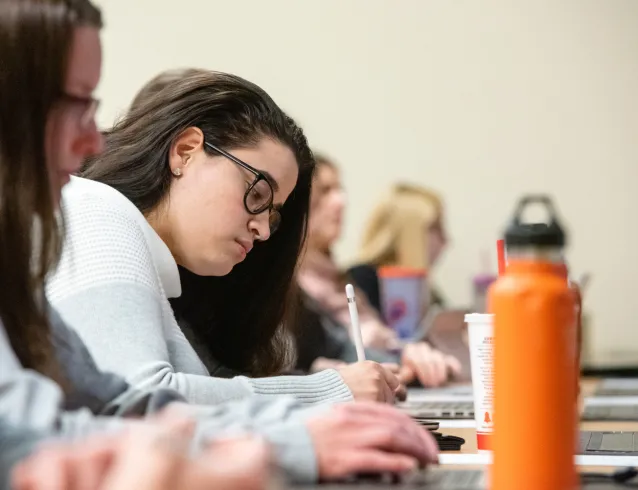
[[317, 334], [365, 278]]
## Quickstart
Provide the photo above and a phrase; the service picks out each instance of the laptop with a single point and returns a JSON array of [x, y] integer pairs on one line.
[[449, 392], [446, 331], [614, 400], [444, 479], [438, 478], [439, 410], [621, 413], [465, 411], [431, 479], [604, 443], [618, 387]]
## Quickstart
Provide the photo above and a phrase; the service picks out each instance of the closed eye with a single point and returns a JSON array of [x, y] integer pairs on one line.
[[256, 193]]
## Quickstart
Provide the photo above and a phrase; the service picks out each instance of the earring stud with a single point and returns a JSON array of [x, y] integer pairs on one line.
[[177, 172]]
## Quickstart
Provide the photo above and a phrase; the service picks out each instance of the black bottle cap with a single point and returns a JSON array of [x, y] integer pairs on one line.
[[519, 234]]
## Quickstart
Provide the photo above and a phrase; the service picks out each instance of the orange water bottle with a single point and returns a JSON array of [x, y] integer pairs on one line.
[[534, 438]]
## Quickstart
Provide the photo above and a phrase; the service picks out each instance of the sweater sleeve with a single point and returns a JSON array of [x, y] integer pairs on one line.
[[16, 443], [107, 289], [32, 410], [281, 422], [33, 401]]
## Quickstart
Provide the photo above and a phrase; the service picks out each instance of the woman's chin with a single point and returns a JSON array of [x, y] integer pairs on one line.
[[212, 269]]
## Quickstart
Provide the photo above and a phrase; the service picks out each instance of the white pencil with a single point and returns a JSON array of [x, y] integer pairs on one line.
[[354, 321]]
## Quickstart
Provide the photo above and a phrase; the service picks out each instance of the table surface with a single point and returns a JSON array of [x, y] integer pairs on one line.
[[588, 387]]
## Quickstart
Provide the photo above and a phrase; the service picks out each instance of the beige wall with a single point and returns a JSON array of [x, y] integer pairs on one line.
[[483, 100]]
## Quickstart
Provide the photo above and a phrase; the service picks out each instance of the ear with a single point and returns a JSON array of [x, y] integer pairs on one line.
[[186, 145]]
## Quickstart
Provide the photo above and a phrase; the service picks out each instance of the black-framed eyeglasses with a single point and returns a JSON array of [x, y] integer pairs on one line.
[[259, 194], [88, 106]]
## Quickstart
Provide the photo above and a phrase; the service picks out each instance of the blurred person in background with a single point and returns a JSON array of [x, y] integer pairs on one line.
[[323, 284], [406, 230]]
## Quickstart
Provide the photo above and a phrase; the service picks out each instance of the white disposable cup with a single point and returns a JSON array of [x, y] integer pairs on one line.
[[481, 340]]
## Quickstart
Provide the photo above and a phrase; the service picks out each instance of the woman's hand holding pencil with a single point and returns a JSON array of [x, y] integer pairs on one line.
[[368, 380]]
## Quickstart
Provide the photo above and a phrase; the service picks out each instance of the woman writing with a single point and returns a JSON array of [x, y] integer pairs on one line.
[[211, 175]]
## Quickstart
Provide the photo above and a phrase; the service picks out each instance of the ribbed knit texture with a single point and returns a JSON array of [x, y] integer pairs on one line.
[[112, 286], [33, 409]]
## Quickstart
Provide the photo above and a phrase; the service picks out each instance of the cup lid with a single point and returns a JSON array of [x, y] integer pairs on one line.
[[390, 271], [479, 318]]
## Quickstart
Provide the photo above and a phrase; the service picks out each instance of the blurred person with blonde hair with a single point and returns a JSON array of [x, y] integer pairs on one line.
[[322, 283], [405, 230]]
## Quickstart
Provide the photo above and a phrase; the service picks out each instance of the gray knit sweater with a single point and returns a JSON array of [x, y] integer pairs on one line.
[[33, 409], [112, 286], [16, 442]]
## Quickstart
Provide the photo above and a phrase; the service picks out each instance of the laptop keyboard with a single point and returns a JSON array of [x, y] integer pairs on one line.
[[610, 412], [601, 442], [617, 392], [454, 479], [618, 387], [431, 479], [439, 410], [584, 440]]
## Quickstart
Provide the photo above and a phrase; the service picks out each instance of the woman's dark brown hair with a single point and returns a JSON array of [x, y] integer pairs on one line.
[[35, 39], [160, 82], [242, 317]]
